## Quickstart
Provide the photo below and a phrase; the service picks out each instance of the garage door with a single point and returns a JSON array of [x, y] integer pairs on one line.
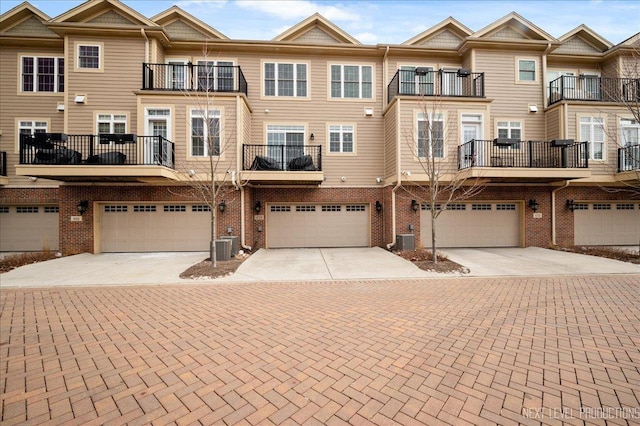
[[473, 225], [154, 227], [322, 225], [612, 223], [28, 228]]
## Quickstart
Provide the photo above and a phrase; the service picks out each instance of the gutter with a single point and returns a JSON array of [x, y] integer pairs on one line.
[[553, 211]]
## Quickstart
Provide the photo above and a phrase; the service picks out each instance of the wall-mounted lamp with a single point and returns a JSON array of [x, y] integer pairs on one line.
[[414, 205], [533, 205], [312, 137], [83, 206], [571, 205], [378, 206], [222, 206], [257, 206]]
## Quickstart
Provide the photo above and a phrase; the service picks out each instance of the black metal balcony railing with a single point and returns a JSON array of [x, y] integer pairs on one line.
[[282, 157], [102, 149], [190, 77], [3, 163], [530, 154], [629, 158], [594, 88], [461, 83]]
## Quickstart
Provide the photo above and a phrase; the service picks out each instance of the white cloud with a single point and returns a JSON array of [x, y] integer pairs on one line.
[[298, 9], [367, 38]]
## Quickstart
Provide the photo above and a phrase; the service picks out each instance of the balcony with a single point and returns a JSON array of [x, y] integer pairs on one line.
[[3, 168], [119, 157], [594, 88], [293, 164], [190, 77], [512, 160], [629, 163], [423, 82]]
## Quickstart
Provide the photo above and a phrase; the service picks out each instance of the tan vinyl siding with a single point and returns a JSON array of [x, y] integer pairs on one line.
[[31, 27], [26, 106], [554, 124], [316, 36], [390, 141], [500, 85], [630, 65], [576, 45], [111, 17], [443, 40], [108, 90], [610, 68]]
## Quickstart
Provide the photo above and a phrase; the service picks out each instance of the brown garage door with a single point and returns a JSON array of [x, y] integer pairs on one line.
[[28, 228], [318, 225], [473, 225], [154, 227], [607, 223]]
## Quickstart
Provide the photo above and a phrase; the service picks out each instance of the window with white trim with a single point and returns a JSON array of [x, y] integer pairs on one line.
[[285, 79], [430, 135], [527, 69], [352, 81], [629, 132], [285, 142], [341, 139], [89, 56], [592, 131], [30, 127], [111, 123], [509, 130], [412, 83], [42, 74], [215, 76], [205, 133]]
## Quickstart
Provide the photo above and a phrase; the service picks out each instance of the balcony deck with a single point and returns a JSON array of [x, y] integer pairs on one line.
[[628, 163], [104, 157], [193, 78], [594, 89], [460, 84], [282, 164]]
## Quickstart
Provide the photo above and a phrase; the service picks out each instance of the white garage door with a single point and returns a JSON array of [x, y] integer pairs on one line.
[[28, 228], [154, 227], [607, 223], [473, 225], [322, 225]]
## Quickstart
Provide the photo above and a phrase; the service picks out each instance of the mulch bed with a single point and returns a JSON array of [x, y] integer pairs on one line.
[[423, 259], [20, 259], [203, 270]]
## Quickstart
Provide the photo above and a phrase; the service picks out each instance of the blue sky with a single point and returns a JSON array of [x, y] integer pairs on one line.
[[385, 21]]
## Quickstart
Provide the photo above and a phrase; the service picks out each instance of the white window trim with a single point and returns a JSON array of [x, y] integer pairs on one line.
[[420, 116], [536, 76], [622, 142], [416, 79], [579, 118], [185, 77], [213, 113], [32, 127], [99, 45], [359, 98], [509, 121], [35, 74], [112, 121], [168, 118], [216, 78], [263, 88], [341, 152]]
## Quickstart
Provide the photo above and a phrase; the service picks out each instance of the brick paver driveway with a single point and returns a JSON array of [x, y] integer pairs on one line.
[[449, 351]]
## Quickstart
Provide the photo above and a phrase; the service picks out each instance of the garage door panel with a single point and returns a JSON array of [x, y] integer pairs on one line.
[[606, 223], [322, 225], [473, 225], [29, 228]]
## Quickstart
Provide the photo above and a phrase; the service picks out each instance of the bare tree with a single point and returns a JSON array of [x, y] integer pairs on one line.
[[445, 182]]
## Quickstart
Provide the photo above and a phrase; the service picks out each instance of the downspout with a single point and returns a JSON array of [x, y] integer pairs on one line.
[[242, 214], [398, 179], [385, 69], [545, 97], [240, 132], [553, 211], [146, 45]]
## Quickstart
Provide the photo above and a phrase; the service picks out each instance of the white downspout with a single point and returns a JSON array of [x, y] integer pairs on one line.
[[146, 45], [398, 177], [242, 214], [553, 211]]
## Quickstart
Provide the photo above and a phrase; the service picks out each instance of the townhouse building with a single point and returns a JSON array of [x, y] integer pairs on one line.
[[319, 140]]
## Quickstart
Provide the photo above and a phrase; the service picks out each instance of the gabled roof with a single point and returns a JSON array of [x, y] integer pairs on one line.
[[633, 41], [513, 26], [313, 23], [586, 34], [174, 14], [12, 21], [92, 9], [449, 25]]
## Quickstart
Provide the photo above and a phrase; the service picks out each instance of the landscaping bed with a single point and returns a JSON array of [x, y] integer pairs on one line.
[[423, 259], [608, 252], [14, 261], [203, 270]]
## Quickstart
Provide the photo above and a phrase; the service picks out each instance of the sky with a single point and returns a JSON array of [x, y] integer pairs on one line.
[[384, 21]]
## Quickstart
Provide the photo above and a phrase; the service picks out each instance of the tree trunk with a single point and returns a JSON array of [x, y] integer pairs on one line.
[[434, 253], [212, 248]]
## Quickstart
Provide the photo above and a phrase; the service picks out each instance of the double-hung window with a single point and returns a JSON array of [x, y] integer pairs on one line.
[[526, 70], [510, 130], [341, 139], [89, 57], [205, 133], [430, 135], [352, 81], [42, 74], [285, 79], [592, 131], [215, 76], [112, 123]]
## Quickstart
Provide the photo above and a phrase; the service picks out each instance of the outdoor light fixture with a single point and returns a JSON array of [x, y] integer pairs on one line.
[[533, 205], [258, 206], [83, 206], [414, 205], [222, 206], [571, 205], [378, 206], [312, 137]]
